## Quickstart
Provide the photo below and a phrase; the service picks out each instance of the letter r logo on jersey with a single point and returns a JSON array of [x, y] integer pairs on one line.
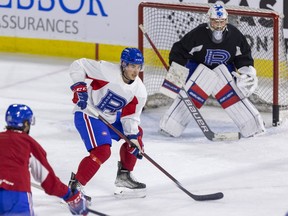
[[216, 56], [111, 102]]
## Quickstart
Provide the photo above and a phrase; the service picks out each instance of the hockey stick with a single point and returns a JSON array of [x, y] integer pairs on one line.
[[202, 123], [36, 186], [209, 134], [96, 212], [90, 210], [88, 198], [205, 197]]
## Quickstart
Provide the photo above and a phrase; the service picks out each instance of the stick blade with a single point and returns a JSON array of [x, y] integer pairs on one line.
[[227, 136], [207, 197]]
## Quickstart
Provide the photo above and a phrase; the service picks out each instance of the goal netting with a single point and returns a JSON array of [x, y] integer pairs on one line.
[[167, 23]]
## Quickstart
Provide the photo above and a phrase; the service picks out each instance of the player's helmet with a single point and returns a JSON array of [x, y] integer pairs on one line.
[[132, 56], [17, 114], [218, 19]]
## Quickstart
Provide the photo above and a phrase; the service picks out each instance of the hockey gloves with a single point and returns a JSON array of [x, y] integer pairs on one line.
[[77, 204], [80, 94], [138, 147]]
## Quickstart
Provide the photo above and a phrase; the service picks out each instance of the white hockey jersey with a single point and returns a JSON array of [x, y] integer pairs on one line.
[[109, 94]]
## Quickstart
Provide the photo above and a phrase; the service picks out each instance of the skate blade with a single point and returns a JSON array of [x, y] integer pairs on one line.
[[127, 193]]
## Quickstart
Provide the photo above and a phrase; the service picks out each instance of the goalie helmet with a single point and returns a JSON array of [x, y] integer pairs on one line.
[[132, 56], [218, 19], [17, 114]]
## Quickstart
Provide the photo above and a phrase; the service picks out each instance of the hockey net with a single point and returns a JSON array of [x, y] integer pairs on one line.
[[167, 23]]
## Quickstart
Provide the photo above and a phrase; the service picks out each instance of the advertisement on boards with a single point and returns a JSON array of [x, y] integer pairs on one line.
[[95, 21]]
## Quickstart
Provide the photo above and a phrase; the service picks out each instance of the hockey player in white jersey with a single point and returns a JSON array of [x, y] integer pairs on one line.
[[117, 94], [220, 64]]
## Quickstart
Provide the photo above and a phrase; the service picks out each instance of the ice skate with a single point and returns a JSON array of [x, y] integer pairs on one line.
[[75, 185], [127, 186]]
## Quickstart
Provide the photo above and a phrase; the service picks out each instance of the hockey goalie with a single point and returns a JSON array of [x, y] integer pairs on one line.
[[220, 64]]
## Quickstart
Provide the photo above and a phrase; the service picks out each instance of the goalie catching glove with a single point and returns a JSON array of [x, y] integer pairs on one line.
[[138, 146], [80, 94], [246, 80]]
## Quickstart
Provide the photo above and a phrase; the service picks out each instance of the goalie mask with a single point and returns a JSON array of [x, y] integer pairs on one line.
[[218, 19]]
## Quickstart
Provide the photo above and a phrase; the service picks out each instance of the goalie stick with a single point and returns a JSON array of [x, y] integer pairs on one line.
[[202, 123], [89, 210], [209, 134], [205, 197]]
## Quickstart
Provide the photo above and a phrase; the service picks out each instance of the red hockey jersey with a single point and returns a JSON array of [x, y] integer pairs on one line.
[[20, 154]]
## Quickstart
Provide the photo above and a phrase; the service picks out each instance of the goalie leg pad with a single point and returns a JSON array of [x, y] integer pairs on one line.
[[175, 119], [240, 109], [199, 86], [246, 117]]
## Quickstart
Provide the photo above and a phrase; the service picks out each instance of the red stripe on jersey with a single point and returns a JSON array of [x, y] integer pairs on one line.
[[90, 130], [130, 108], [98, 84]]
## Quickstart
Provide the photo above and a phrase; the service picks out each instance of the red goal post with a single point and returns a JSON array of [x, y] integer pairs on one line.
[[167, 23]]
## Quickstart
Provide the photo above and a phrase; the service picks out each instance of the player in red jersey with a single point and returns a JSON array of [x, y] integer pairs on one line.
[[19, 152]]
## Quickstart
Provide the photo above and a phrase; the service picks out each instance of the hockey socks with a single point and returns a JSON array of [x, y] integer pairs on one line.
[[127, 160], [90, 164]]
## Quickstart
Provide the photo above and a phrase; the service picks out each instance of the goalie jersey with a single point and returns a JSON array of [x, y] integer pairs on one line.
[[109, 94], [197, 47]]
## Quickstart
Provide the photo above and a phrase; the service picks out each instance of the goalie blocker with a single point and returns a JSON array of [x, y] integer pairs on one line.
[[222, 86]]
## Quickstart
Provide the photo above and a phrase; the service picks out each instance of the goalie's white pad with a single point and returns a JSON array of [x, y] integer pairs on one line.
[[238, 107], [199, 86], [246, 80], [175, 119]]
